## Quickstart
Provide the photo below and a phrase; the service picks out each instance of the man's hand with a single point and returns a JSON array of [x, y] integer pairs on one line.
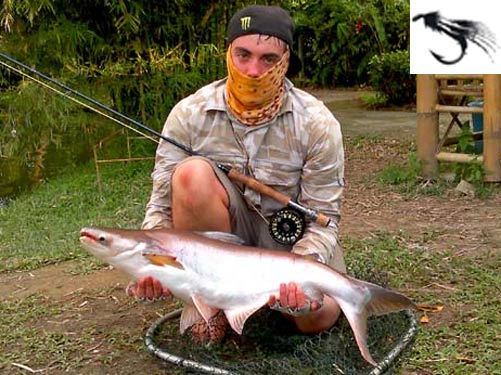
[[292, 301], [147, 289]]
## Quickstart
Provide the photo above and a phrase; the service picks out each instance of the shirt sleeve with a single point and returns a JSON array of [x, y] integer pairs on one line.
[[158, 209], [321, 187]]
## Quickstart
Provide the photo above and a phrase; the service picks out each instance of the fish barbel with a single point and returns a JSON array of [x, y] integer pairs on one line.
[[210, 275]]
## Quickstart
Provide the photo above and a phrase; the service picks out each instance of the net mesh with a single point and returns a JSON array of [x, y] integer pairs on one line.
[[270, 344]]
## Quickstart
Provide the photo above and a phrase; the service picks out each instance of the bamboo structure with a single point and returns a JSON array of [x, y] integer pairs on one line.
[[97, 147], [427, 126], [433, 92], [492, 127]]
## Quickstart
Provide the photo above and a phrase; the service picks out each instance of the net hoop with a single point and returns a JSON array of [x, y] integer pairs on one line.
[[152, 347]]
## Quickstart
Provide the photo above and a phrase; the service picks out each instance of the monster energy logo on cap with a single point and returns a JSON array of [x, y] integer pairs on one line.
[[261, 19], [245, 22]]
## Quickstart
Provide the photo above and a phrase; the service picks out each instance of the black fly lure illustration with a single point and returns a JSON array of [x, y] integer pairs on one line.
[[461, 31]]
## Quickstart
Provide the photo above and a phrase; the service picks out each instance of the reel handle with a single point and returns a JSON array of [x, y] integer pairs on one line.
[[255, 185]]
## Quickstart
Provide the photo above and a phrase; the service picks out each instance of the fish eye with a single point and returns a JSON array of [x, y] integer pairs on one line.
[[102, 239]]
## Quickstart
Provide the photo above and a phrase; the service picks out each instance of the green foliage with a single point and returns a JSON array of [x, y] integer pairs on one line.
[[26, 9], [390, 75], [406, 178], [30, 113], [398, 174], [140, 57], [473, 172], [375, 100], [337, 38]]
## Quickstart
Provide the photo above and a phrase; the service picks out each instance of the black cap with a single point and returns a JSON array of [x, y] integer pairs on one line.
[[266, 20], [261, 19]]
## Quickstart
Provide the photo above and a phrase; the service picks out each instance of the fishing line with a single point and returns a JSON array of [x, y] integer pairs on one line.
[[65, 95], [80, 102], [93, 101], [286, 226]]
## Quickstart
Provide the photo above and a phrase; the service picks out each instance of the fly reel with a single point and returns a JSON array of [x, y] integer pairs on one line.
[[286, 226]]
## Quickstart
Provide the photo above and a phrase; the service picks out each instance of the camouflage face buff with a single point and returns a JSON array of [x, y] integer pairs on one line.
[[255, 101]]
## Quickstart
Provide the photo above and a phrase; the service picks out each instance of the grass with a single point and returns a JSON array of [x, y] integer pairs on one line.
[[44, 334], [404, 176], [467, 342], [42, 228], [22, 341]]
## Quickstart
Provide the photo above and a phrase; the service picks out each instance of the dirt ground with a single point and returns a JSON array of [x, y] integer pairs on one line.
[[96, 301]]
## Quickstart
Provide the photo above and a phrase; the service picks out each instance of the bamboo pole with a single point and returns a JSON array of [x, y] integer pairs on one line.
[[459, 76], [100, 161], [492, 127], [427, 124], [457, 109], [458, 157], [456, 92]]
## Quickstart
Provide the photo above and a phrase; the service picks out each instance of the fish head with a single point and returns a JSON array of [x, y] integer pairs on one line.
[[137, 253], [111, 245]]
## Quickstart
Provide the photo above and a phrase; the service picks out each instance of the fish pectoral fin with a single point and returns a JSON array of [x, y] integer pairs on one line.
[[204, 310], [163, 260], [238, 316], [189, 316]]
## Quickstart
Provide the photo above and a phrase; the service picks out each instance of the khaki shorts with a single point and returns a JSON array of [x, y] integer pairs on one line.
[[247, 224]]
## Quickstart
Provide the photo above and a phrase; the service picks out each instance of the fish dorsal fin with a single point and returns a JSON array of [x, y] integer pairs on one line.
[[205, 310], [238, 316], [223, 236], [189, 316], [163, 260]]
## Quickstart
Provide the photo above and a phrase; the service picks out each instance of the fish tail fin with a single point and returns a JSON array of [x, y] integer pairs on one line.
[[373, 300]]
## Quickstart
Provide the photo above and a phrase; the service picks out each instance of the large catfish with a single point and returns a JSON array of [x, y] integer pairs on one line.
[[211, 275]]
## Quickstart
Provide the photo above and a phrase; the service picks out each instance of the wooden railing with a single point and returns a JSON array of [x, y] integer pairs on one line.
[[433, 98]]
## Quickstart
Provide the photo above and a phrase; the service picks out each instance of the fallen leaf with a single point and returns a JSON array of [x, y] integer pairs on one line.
[[436, 308], [424, 319], [466, 359]]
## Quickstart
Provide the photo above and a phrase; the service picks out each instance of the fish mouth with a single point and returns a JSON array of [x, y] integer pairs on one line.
[[87, 234]]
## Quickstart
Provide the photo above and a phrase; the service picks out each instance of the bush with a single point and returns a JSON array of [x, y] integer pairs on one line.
[[389, 73], [337, 38]]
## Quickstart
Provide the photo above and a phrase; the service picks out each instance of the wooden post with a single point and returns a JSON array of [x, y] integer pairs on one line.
[[427, 124], [492, 127]]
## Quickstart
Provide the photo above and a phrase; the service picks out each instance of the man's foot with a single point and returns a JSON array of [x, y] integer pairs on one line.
[[203, 333]]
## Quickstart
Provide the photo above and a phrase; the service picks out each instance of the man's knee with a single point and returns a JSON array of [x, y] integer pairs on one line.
[[189, 175], [194, 180]]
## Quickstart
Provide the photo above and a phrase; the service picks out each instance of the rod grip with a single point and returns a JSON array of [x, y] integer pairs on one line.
[[258, 186], [322, 220], [285, 200]]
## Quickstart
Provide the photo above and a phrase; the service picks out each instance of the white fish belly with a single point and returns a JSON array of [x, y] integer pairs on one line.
[[231, 280]]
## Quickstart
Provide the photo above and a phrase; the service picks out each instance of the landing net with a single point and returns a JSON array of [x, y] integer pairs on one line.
[[271, 345]]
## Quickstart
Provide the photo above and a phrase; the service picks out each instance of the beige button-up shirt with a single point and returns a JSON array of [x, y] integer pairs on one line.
[[299, 153]]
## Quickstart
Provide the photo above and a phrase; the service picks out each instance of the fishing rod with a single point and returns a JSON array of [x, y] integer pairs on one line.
[[286, 225]]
